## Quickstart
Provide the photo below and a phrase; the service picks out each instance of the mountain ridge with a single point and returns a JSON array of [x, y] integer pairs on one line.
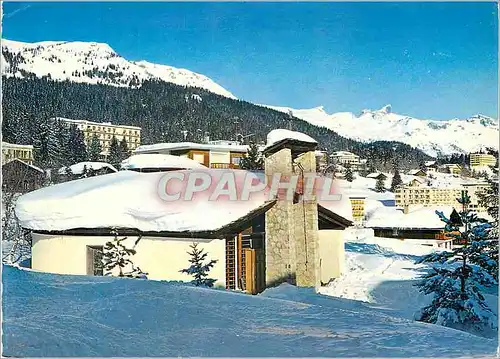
[[436, 138], [95, 63]]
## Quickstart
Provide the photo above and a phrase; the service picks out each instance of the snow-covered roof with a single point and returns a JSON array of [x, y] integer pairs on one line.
[[13, 145], [418, 217], [160, 161], [429, 163], [190, 146], [77, 168], [414, 172], [344, 153], [375, 175], [27, 164], [281, 134], [130, 199], [85, 122]]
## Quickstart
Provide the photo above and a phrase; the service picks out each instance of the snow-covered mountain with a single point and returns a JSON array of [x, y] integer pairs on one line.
[[91, 62], [98, 63], [433, 137]]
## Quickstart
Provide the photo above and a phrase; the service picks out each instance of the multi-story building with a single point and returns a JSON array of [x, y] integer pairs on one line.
[[22, 152], [346, 158], [482, 159], [426, 195], [358, 208], [105, 132], [215, 154], [439, 196]]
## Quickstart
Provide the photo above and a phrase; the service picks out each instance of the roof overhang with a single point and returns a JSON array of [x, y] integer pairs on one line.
[[228, 230], [296, 146]]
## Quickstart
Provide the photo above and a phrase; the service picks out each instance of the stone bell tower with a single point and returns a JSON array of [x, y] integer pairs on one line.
[[292, 224]]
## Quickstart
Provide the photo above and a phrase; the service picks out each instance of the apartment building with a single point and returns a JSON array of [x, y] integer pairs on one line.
[[346, 158], [12, 151], [214, 154], [358, 208], [427, 196], [105, 132], [482, 159], [439, 196]]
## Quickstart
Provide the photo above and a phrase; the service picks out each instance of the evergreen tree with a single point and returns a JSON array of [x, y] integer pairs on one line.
[[114, 156], [65, 151], [76, 145], [252, 160], [489, 258], [457, 277], [199, 270], [348, 175], [95, 149], [124, 152], [396, 180], [117, 255], [380, 184]]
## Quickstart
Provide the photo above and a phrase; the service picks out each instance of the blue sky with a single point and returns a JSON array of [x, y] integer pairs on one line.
[[429, 60]]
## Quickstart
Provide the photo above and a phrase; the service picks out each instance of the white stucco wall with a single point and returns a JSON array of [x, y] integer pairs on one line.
[[331, 254], [161, 258]]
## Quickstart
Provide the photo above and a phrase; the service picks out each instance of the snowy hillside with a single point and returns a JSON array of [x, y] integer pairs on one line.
[[433, 137], [55, 315], [94, 63]]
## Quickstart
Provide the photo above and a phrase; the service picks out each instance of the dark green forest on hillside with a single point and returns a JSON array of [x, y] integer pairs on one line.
[[165, 111]]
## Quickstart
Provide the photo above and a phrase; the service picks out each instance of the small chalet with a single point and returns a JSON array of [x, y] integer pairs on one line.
[[20, 177], [257, 242], [417, 224], [377, 175], [418, 172], [212, 154], [430, 166], [451, 168]]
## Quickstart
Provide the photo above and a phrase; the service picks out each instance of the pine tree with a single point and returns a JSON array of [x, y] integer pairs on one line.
[[114, 156], [380, 184], [348, 175], [199, 270], [94, 149], [116, 254], [396, 180], [489, 254], [252, 160], [76, 144], [124, 152], [63, 141], [456, 280]]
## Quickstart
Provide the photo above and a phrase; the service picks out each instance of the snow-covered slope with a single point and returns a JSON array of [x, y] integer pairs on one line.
[[91, 62], [433, 137], [47, 315]]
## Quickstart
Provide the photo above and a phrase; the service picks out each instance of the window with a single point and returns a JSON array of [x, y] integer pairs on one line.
[[236, 161], [94, 260]]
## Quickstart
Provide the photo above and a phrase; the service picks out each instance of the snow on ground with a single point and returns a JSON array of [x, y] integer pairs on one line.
[[155, 160], [78, 168], [56, 315], [382, 272]]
